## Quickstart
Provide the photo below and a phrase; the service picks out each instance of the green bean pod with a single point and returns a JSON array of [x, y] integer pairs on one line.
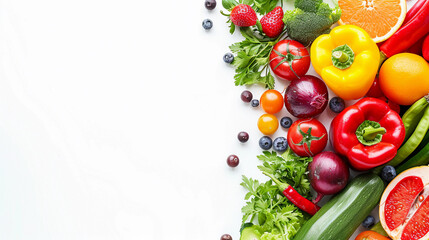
[[414, 141], [421, 158], [411, 144], [412, 116], [421, 145]]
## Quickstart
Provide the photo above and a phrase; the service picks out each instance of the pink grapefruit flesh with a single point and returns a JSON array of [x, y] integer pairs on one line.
[[418, 226], [400, 200]]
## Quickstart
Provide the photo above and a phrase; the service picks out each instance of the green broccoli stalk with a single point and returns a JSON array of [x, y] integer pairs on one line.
[[310, 19]]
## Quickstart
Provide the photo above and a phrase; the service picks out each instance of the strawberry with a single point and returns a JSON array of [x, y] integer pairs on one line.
[[272, 23], [243, 15]]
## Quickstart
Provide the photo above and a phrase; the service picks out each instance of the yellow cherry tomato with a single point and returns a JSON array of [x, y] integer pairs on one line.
[[268, 124]]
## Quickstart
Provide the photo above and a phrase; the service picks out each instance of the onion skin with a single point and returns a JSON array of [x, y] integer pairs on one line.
[[328, 173], [306, 97]]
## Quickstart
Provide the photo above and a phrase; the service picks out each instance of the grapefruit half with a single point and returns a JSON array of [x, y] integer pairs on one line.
[[404, 205]]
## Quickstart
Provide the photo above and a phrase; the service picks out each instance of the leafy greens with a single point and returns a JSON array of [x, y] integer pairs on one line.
[[251, 61], [278, 218]]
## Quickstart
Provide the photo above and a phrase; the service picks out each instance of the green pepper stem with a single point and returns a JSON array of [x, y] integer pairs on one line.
[[340, 56], [370, 133]]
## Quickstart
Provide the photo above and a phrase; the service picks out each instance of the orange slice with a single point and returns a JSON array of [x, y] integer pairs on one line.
[[380, 18]]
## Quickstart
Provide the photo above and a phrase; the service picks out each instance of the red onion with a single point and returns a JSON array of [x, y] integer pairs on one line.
[[306, 97], [328, 174]]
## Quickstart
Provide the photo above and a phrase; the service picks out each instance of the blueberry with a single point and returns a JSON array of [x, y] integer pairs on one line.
[[255, 103], [280, 144], [246, 96], [368, 222], [207, 24], [286, 122], [265, 142], [232, 161], [337, 104], [228, 58], [388, 173], [243, 137], [210, 4]]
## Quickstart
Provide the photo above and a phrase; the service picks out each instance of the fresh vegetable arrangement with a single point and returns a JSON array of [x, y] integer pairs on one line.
[[377, 56]]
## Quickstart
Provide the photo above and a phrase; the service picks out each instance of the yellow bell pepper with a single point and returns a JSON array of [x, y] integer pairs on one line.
[[347, 59]]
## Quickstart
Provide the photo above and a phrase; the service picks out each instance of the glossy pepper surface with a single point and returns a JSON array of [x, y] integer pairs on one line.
[[368, 133], [347, 59]]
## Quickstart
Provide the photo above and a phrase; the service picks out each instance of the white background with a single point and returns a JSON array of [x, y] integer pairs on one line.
[[116, 118]]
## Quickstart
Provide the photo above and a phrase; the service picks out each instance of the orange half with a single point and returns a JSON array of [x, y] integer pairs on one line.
[[380, 18]]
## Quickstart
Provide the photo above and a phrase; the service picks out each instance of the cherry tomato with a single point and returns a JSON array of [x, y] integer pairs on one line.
[[268, 124], [375, 90], [272, 101], [307, 137], [394, 106], [289, 60]]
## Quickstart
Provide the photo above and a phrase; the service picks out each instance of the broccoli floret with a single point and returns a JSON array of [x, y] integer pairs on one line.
[[308, 5], [310, 19]]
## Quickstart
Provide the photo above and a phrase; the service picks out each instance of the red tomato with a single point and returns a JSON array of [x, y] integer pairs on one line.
[[375, 90], [394, 106], [307, 137], [272, 101], [289, 60]]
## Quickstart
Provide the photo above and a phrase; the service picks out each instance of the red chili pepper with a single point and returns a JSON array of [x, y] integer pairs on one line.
[[300, 201], [408, 34], [425, 48], [294, 197], [413, 10], [368, 133], [417, 47]]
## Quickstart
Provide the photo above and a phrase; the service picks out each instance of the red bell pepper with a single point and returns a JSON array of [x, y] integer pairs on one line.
[[425, 48], [368, 133], [394, 106]]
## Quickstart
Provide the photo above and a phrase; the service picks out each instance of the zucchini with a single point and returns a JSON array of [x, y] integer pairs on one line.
[[341, 215]]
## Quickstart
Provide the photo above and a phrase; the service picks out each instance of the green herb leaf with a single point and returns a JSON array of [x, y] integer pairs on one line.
[[229, 4], [264, 6], [251, 60], [278, 218]]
